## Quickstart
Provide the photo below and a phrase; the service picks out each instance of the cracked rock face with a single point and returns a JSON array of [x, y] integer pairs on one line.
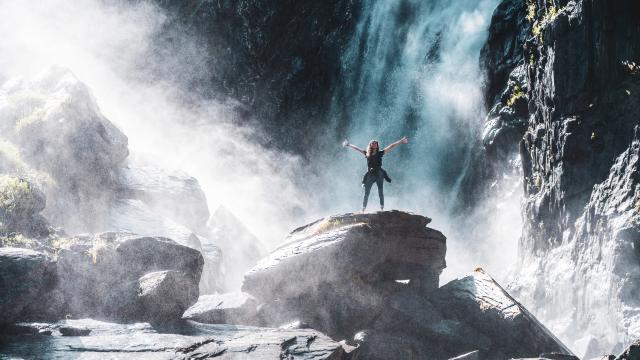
[[582, 88]]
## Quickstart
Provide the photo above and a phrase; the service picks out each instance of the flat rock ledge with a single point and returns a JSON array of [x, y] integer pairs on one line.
[[102, 340]]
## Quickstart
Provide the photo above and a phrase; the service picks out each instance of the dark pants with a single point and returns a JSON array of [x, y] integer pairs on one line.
[[369, 179]]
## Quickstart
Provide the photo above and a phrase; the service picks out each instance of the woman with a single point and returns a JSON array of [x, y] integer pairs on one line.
[[375, 173]]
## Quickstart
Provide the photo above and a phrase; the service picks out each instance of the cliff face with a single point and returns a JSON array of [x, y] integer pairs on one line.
[[280, 59], [577, 74]]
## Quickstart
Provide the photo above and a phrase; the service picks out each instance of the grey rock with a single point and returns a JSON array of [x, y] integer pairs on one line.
[[213, 278], [479, 301], [99, 275], [25, 275], [165, 295], [335, 272], [231, 308]]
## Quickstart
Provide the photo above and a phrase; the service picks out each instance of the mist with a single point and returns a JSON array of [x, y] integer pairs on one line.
[[422, 81]]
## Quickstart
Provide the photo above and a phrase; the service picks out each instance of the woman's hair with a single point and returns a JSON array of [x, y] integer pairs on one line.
[[370, 147]]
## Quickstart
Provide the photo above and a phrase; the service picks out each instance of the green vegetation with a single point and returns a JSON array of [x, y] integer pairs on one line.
[[515, 95], [18, 240], [16, 195], [539, 24], [531, 10], [12, 161]]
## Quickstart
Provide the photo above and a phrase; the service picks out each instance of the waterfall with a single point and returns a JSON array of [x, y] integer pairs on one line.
[[412, 69]]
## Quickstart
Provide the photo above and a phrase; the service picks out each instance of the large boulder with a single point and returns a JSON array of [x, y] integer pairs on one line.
[[104, 276], [480, 302], [335, 273], [25, 275], [473, 316]]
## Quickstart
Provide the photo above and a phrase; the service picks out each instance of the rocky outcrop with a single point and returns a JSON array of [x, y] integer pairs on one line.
[[374, 278], [25, 275], [582, 88], [54, 138], [333, 273], [128, 277], [54, 133], [134, 216]]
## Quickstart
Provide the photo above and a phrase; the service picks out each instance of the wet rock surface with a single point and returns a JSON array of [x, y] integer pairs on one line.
[[185, 341], [581, 85], [25, 276]]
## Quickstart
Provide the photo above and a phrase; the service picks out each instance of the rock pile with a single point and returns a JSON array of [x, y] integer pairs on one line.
[[374, 278]]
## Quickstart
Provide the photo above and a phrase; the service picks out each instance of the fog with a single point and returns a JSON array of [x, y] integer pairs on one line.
[[425, 86]]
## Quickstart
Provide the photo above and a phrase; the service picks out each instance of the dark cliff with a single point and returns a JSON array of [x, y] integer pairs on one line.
[[569, 82], [280, 59]]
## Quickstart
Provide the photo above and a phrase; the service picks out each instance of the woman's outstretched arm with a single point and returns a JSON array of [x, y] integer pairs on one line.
[[404, 140], [346, 143]]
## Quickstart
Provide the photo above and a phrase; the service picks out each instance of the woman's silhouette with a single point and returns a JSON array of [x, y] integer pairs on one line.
[[375, 173]]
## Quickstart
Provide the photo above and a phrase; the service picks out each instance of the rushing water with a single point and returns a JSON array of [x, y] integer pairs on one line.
[[412, 68]]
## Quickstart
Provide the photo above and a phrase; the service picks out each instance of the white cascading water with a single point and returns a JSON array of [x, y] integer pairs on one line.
[[412, 69]]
